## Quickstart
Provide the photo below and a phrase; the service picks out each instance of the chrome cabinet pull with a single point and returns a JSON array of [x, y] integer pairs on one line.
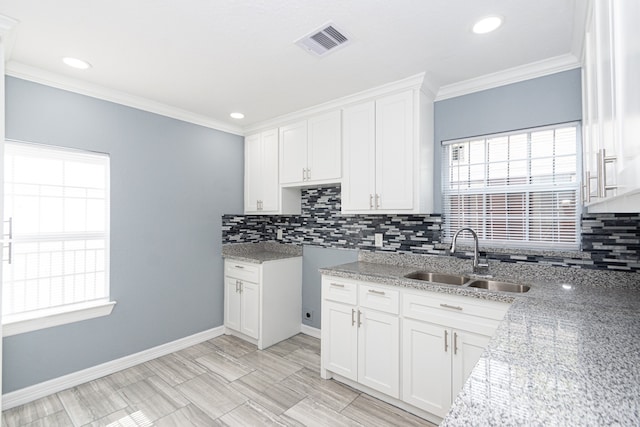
[[353, 319], [239, 266], [377, 201], [455, 343], [237, 286], [241, 286], [455, 307], [373, 291], [603, 160], [370, 201], [446, 339], [359, 321], [308, 174], [337, 285]]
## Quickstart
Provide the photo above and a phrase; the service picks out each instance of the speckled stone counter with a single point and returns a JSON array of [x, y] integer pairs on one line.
[[260, 252], [567, 352]]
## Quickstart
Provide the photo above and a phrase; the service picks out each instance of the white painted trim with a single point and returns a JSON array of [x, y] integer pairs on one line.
[[311, 331], [37, 75], [46, 388], [49, 318], [509, 76], [417, 82]]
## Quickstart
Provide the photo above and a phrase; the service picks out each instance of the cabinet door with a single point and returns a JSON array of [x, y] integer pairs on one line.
[[293, 153], [379, 352], [340, 339], [395, 151], [231, 304], [467, 349], [269, 178], [426, 366], [358, 183], [250, 309], [324, 147], [252, 172]]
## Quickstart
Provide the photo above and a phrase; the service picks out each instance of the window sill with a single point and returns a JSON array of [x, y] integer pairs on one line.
[[18, 324]]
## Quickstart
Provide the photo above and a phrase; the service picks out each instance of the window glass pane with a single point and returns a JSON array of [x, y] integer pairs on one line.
[[524, 190], [58, 200]]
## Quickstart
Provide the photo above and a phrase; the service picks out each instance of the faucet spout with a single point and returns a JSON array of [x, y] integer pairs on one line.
[[477, 268]]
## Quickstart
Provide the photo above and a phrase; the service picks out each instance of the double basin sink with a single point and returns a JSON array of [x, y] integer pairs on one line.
[[454, 279]]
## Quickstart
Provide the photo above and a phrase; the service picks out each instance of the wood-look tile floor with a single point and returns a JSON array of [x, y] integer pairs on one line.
[[221, 382]]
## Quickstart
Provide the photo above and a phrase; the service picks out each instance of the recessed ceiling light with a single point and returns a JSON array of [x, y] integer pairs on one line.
[[488, 24], [76, 63], [237, 115]]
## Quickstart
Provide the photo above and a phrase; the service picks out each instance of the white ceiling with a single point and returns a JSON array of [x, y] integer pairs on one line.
[[208, 58]]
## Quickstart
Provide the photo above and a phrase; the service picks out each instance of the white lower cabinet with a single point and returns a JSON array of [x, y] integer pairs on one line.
[[416, 347], [436, 362], [262, 302], [242, 306], [358, 342]]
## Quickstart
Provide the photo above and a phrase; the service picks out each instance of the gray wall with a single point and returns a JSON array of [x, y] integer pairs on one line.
[[171, 182], [552, 99], [313, 258]]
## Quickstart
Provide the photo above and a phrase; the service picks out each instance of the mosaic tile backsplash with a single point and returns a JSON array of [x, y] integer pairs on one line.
[[609, 241]]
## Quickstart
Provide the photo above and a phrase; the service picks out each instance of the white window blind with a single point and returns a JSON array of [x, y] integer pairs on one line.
[[57, 218], [514, 189]]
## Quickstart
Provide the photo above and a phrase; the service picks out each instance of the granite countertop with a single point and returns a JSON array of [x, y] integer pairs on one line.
[[566, 353], [258, 253]]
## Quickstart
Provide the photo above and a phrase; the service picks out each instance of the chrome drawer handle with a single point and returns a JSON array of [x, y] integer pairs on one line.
[[337, 285], [239, 266], [373, 291], [455, 307]]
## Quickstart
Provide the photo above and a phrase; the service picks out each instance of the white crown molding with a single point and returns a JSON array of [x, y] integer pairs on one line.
[[37, 75], [46, 388], [581, 16], [414, 82], [509, 76], [7, 25]]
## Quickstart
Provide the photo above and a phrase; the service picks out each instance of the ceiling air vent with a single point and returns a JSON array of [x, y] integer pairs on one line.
[[325, 39]]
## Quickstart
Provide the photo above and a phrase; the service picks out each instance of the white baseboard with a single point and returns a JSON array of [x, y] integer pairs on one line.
[[46, 388], [311, 331]]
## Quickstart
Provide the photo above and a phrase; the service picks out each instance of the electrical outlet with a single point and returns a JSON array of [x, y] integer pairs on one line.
[[378, 240], [307, 314], [279, 234]]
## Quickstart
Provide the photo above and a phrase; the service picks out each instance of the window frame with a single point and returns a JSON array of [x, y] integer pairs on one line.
[[526, 189], [41, 318]]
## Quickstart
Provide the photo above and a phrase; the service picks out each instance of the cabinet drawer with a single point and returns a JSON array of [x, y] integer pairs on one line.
[[339, 291], [378, 298], [242, 270], [422, 306]]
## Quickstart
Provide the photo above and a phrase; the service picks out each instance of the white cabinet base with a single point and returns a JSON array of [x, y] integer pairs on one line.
[[275, 287]]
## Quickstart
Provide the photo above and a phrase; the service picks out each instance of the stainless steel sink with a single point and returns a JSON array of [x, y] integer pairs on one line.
[[427, 276], [498, 286]]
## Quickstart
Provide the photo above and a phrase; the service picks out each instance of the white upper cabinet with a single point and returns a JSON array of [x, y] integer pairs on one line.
[[611, 99], [310, 151], [262, 191], [388, 155]]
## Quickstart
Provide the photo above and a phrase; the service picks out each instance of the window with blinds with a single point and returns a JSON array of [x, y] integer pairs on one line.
[[57, 220], [515, 189]]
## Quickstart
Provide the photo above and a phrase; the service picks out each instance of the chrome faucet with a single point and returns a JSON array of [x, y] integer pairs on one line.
[[478, 268]]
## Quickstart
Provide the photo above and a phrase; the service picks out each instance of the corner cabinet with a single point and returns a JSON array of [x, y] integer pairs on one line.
[[611, 106], [414, 349], [262, 302], [310, 151], [388, 155]]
